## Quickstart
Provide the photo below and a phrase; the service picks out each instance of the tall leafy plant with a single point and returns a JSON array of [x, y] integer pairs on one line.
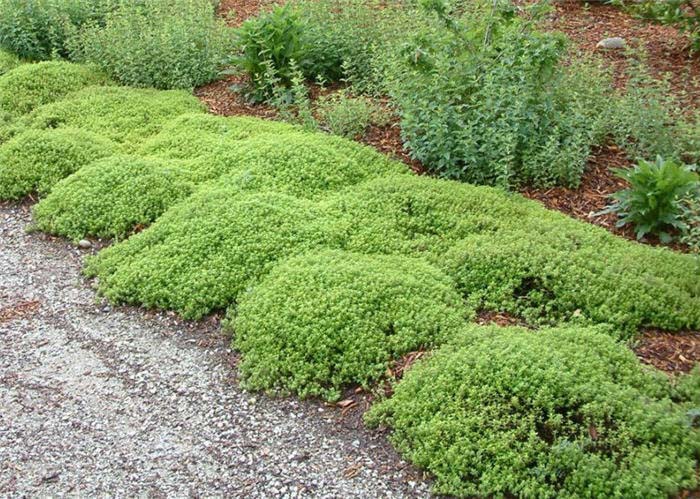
[[271, 50], [652, 202], [487, 100]]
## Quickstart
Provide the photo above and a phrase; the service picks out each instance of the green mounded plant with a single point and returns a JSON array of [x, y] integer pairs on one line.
[[321, 321], [652, 202], [202, 253], [8, 61], [125, 115], [196, 135], [347, 116], [139, 189], [36, 160], [553, 413], [163, 44], [509, 254], [690, 219], [40, 29], [112, 196], [31, 85], [487, 99], [547, 278]]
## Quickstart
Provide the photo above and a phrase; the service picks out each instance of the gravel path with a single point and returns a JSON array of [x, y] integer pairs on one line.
[[119, 402]]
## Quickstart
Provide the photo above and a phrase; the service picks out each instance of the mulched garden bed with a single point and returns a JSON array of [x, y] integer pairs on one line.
[[585, 24]]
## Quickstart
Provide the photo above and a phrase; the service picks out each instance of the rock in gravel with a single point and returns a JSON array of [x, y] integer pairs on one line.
[[612, 43], [84, 244], [100, 401]]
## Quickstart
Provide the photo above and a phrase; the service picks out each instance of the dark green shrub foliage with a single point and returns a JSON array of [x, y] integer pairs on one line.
[[124, 115], [354, 40], [554, 413], [201, 254], [31, 85], [39, 29], [111, 196], [269, 46], [652, 202], [160, 43], [487, 100], [37, 159], [324, 320]]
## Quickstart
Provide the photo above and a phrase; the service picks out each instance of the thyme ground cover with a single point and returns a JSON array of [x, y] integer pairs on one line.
[[331, 261]]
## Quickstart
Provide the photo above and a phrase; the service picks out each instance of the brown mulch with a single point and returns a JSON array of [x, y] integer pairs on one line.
[[669, 352], [667, 49], [237, 11], [593, 194], [19, 310]]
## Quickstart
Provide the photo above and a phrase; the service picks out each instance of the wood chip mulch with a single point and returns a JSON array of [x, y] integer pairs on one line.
[[237, 11], [667, 49], [669, 352]]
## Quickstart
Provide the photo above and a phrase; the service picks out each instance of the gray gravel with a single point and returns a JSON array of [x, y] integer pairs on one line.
[[97, 401]]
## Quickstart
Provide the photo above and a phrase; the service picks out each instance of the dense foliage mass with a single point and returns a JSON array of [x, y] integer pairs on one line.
[[332, 261], [36, 159], [159, 43], [40, 29], [110, 197], [325, 320], [8, 61], [29, 86], [125, 115], [554, 413]]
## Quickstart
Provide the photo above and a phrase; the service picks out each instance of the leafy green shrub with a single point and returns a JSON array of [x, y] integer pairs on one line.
[[202, 253], [354, 40], [160, 43], [555, 413], [8, 61], [110, 197], [323, 320], [269, 47], [125, 115], [347, 116], [488, 100], [40, 29], [509, 254], [31, 85], [652, 202], [35, 160], [645, 118]]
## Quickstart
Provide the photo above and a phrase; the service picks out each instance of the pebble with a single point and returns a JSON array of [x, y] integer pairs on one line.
[[84, 244], [612, 43]]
